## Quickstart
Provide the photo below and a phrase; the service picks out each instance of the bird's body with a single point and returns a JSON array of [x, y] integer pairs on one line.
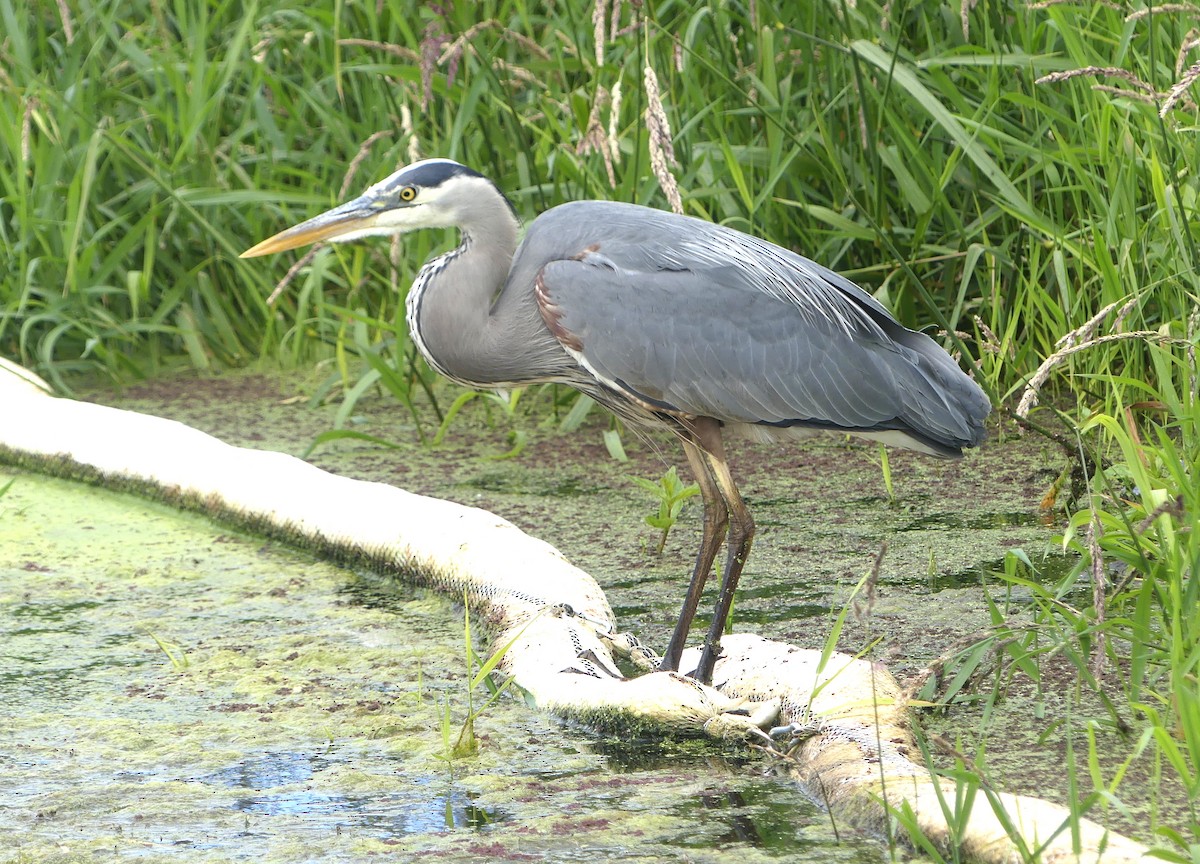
[[669, 321], [708, 321]]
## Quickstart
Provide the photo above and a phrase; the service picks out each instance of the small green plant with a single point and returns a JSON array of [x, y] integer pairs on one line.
[[1141, 515], [479, 672], [886, 467], [508, 401], [176, 654], [612, 443], [671, 495]]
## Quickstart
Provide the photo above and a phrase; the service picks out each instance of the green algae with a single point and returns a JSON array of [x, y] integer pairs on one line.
[[328, 694], [176, 690]]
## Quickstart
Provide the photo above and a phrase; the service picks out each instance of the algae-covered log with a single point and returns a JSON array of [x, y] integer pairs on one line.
[[857, 756], [858, 753]]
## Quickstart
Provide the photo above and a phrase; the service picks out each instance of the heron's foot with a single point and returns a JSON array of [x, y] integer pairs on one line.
[[566, 610], [628, 647], [795, 732], [752, 720]]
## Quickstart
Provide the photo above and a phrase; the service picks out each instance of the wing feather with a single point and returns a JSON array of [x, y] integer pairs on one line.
[[704, 320]]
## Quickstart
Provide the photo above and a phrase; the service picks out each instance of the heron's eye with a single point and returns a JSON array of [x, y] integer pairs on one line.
[[408, 193]]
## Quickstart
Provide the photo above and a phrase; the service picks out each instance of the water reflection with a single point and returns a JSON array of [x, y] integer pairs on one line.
[[373, 591], [416, 808], [1050, 570], [976, 522]]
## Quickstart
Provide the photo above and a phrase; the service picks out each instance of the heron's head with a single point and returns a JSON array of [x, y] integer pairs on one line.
[[433, 193]]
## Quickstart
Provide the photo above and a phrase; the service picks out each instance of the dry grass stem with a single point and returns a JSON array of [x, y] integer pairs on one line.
[[1148, 98], [308, 256], [1193, 329], [598, 11], [943, 746], [291, 273], [1067, 345], [406, 54], [1110, 71], [1190, 41], [991, 342], [662, 151], [1186, 8], [1099, 586], [1124, 311], [595, 140], [452, 54], [1086, 330], [614, 122], [363, 150], [27, 129], [432, 41], [1142, 92], [518, 73], [1172, 506], [631, 27], [965, 16], [1046, 4], [862, 612], [413, 151], [259, 52], [1176, 93], [1029, 399], [455, 49], [64, 14]]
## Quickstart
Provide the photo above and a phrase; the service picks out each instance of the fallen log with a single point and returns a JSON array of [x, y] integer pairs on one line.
[[852, 744]]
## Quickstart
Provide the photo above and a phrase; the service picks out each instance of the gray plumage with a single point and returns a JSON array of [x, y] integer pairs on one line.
[[694, 318], [671, 322]]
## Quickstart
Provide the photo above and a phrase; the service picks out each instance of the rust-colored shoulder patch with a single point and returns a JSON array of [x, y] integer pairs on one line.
[[552, 314], [595, 247]]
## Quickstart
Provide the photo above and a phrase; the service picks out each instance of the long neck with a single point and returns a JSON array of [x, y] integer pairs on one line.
[[461, 317]]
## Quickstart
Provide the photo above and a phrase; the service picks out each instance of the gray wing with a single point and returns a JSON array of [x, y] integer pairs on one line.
[[693, 318]]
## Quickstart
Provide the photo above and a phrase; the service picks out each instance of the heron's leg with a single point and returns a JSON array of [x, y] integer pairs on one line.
[[741, 534], [716, 519]]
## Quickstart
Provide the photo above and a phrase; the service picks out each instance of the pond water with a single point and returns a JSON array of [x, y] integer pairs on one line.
[[175, 690], [172, 689]]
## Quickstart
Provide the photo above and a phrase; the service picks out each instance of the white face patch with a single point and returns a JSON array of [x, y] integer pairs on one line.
[[425, 211]]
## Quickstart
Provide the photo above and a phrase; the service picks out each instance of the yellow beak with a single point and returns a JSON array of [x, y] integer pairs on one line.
[[351, 218]]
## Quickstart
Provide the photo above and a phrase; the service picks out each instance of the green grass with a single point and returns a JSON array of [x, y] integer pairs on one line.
[[922, 158], [936, 171]]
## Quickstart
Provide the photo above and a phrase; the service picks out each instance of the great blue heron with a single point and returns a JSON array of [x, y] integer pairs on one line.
[[671, 323]]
